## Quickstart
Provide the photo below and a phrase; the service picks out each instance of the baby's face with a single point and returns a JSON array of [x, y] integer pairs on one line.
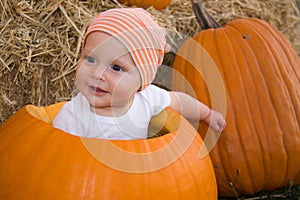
[[107, 75]]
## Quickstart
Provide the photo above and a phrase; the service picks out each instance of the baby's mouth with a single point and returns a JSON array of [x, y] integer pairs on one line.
[[98, 90]]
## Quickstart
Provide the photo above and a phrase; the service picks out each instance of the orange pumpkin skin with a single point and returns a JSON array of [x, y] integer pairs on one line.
[[158, 4], [260, 147], [40, 162]]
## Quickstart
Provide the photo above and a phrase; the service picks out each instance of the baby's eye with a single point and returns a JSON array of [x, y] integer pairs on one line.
[[117, 68], [90, 59]]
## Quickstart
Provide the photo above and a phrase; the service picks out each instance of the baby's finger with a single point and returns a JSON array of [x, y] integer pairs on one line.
[[223, 126]]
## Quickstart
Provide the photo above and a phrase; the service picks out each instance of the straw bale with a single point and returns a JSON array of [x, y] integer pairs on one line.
[[40, 41]]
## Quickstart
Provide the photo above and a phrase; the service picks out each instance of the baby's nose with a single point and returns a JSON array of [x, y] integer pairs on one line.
[[99, 72]]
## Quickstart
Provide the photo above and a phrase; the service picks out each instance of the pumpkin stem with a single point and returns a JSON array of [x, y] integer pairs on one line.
[[203, 17]]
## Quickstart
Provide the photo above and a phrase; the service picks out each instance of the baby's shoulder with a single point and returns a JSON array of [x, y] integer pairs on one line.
[[153, 95]]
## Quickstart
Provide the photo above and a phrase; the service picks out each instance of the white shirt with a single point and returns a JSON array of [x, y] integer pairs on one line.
[[76, 118]]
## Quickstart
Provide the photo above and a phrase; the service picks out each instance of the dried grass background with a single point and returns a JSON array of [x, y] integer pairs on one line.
[[40, 40]]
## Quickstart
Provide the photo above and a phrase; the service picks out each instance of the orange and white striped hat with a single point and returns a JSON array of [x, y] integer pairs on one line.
[[140, 33]]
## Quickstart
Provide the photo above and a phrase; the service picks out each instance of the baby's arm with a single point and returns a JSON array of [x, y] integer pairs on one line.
[[193, 109]]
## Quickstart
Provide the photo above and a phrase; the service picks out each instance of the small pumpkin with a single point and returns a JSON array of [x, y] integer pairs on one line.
[[260, 147], [38, 161], [157, 4]]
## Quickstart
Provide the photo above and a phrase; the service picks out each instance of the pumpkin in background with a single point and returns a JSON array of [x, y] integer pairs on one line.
[[38, 161], [260, 147], [157, 4]]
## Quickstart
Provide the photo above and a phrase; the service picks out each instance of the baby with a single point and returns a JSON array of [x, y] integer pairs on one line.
[[121, 51]]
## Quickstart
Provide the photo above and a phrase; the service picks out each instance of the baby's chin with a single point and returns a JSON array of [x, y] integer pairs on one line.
[[108, 109]]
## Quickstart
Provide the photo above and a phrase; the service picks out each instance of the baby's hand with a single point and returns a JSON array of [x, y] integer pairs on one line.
[[216, 121]]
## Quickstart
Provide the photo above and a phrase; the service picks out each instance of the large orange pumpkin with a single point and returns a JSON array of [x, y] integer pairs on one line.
[[157, 4], [260, 147], [38, 161]]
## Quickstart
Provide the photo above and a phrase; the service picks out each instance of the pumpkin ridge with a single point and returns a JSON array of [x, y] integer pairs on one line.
[[290, 55], [242, 96], [266, 72], [222, 49], [207, 36], [251, 108], [288, 89], [281, 124], [280, 127], [204, 39], [286, 76], [263, 134], [258, 89], [294, 107], [284, 43]]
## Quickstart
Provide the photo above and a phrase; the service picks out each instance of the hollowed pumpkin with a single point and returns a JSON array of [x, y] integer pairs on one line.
[[260, 148], [157, 4], [38, 161]]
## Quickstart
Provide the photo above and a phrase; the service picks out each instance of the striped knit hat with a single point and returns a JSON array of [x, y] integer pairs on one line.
[[141, 35]]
